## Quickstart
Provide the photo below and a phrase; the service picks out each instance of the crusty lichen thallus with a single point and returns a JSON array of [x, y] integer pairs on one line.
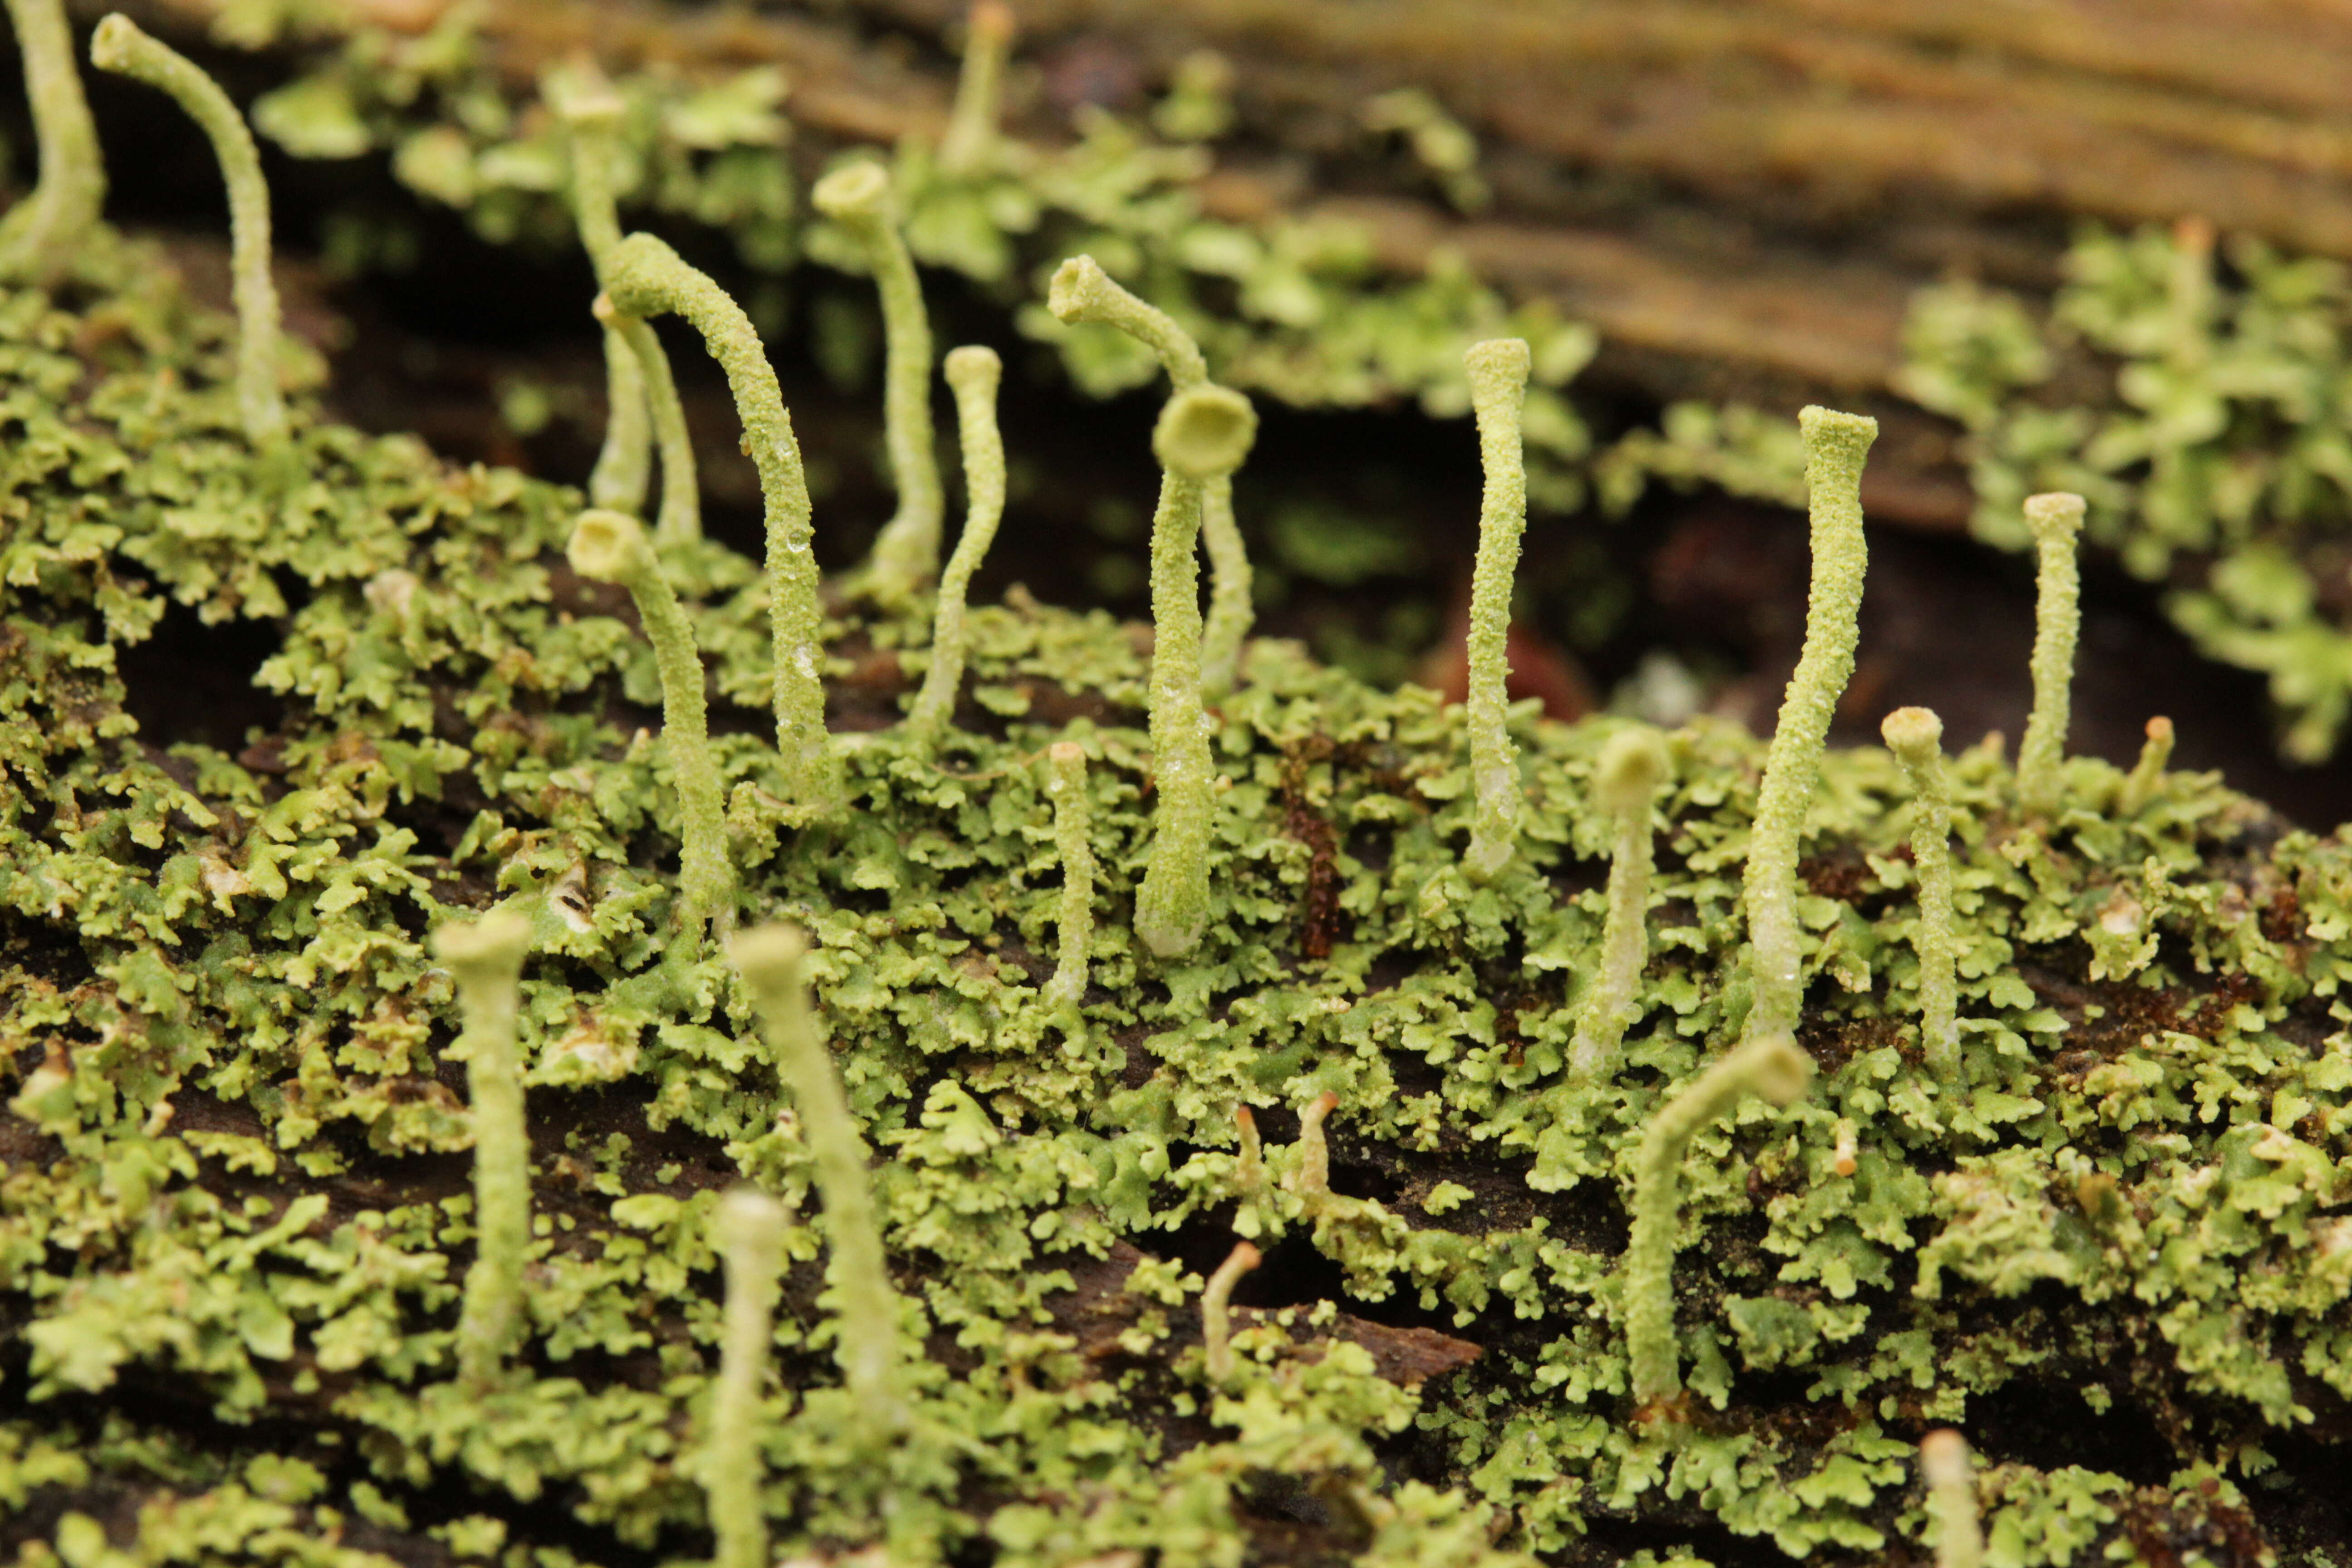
[[1498, 388], [972, 373], [1768, 1067], [971, 141], [1082, 292], [1216, 1310], [1835, 448], [1625, 779], [866, 1327], [681, 495], [41, 234], [485, 958], [590, 111], [647, 278], [1948, 1470], [2056, 520], [612, 547], [750, 1230], [1066, 763], [121, 46], [1203, 432], [906, 552], [1915, 737]]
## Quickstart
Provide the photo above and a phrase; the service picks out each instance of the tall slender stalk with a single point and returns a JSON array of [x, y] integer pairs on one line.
[[2055, 521], [1632, 763], [590, 111], [610, 547], [2147, 776], [1216, 1309], [41, 234], [1203, 432], [771, 959], [1915, 737], [681, 497], [1074, 841], [1498, 388], [648, 279], [119, 46], [1949, 1471], [907, 554], [751, 1235], [974, 372], [485, 957], [970, 142], [1835, 447]]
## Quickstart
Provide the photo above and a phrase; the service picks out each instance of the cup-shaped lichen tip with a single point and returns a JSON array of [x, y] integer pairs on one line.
[[1078, 284], [110, 44], [1841, 437], [489, 946], [1505, 363], [2056, 517], [973, 366], [767, 956], [1632, 763], [636, 272], [1913, 733], [858, 190], [606, 545], [1205, 431]]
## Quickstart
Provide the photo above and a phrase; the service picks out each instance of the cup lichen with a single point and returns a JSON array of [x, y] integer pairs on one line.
[[1915, 737], [2056, 520], [1625, 779], [749, 1229], [972, 373], [485, 958], [40, 236], [1499, 388]]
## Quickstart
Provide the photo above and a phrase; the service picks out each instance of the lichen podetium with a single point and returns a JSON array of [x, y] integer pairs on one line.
[[1915, 737], [40, 236], [2056, 520], [119, 46], [1631, 765], [648, 279], [973, 372], [906, 555], [1203, 432], [1498, 384], [486, 958], [749, 1233], [1835, 447]]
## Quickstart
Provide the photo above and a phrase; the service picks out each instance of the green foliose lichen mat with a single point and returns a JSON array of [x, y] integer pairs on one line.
[[882, 1205]]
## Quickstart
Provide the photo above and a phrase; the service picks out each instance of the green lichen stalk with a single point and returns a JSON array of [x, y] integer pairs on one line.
[[1216, 1309], [1835, 447], [750, 1235], [2139, 785], [907, 554], [681, 499], [612, 547], [486, 960], [119, 46], [648, 279], [970, 142], [974, 372], [770, 959], [1915, 737], [1203, 432], [590, 111], [1633, 763], [39, 237], [1770, 1067], [1082, 292], [1948, 1469], [1074, 841], [1498, 388], [2056, 520]]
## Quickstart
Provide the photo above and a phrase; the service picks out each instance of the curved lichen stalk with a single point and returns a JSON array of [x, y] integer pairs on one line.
[[1081, 291], [1203, 432], [1772, 1068], [974, 372], [648, 279], [1625, 782], [907, 554], [2055, 519], [1074, 841], [750, 1231], [119, 46], [771, 959], [485, 958], [610, 547], [681, 499], [1498, 386], [1915, 735], [1835, 447], [41, 234], [590, 111], [1216, 1310], [2139, 785]]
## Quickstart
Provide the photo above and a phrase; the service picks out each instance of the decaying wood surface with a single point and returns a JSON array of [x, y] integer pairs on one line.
[[1740, 196]]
